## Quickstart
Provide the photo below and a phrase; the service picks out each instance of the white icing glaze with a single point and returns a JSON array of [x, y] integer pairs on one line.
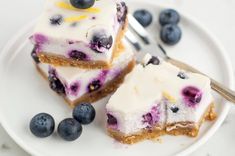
[[146, 85], [58, 36], [69, 75]]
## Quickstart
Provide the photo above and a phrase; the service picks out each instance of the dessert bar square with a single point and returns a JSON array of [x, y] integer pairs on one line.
[[86, 38], [162, 99], [78, 85]]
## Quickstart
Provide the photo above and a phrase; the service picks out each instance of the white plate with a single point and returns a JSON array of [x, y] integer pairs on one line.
[[23, 93]]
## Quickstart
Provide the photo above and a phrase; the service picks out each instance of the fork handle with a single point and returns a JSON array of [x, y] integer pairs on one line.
[[227, 93]]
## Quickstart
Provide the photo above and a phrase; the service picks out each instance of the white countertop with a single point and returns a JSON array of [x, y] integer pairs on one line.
[[216, 15]]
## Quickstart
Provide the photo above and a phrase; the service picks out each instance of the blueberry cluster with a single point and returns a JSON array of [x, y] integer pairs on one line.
[[170, 31], [42, 125], [168, 19]]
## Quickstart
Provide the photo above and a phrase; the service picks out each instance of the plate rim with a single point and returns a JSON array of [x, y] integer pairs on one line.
[[212, 37]]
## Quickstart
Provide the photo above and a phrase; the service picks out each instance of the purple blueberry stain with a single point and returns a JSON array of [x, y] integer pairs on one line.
[[98, 82], [148, 118], [103, 75], [77, 55], [73, 89], [152, 117], [192, 96], [40, 39], [112, 121], [116, 72]]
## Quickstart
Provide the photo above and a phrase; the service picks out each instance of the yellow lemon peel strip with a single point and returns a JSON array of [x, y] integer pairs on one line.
[[75, 18], [169, 97], [67, 6]]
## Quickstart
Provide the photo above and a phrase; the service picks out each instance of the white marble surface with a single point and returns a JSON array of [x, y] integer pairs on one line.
[[216, 15]]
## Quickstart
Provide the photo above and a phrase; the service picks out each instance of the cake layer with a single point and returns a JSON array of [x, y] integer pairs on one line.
[[159, 95], [87, 38], [83, 85]]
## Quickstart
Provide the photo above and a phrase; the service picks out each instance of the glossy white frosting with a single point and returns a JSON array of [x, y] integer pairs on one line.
[[147, 85], [101, 17]]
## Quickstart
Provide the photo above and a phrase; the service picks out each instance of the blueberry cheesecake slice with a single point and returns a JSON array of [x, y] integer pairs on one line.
[[84, 33], [78, 85], [157, 98]]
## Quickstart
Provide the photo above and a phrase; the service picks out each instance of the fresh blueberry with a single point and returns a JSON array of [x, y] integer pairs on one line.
[[192, 95], [174, 109], [84, 113], [182, 75], [34, 56], [121, 12], [42, 125], [144, 17], [170, 34], [101, 42], [111, 120], [69, 129], [82, 4], [169, 16], [55, 83], [94, 85], [77, 55], [56, 19], [154, 60]]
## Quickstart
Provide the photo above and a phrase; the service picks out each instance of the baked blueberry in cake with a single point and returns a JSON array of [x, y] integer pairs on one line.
[[162, 99], [86, 35], [78, 85]]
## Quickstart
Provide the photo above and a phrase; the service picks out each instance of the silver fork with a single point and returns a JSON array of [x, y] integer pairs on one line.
[[152, 47]]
